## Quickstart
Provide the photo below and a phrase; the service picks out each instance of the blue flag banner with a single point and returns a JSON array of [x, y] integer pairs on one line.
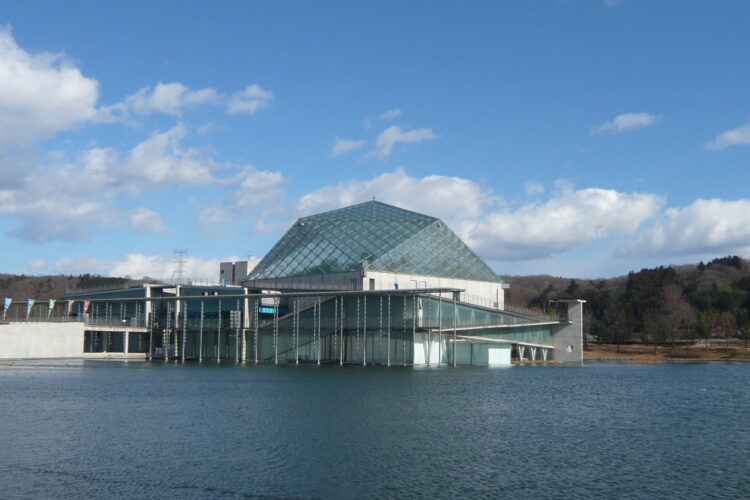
[[6, 306], [29, 305]]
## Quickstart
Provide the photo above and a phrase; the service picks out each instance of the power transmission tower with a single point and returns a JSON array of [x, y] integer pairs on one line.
[[178, 273]]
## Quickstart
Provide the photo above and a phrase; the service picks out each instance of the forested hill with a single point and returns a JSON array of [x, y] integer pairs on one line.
[[660, 304], [21, 287]]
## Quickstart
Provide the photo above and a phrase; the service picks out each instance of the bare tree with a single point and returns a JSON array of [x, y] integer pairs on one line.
[[677, 315]]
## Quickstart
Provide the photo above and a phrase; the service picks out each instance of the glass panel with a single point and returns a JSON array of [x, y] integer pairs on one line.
[[372, 236]]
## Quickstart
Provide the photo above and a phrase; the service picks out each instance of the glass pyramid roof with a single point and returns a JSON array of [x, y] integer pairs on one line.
[[372, 236]]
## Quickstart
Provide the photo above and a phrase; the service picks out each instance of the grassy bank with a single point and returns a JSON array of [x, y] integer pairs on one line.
[[642, 353]]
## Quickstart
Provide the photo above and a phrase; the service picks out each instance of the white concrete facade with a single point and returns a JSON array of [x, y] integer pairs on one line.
[[568, 340], [482, 293], [41, 340]]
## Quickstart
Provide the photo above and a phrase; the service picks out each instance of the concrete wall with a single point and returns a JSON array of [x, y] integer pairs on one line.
[[327, 281], [484, 293], [41, 340], [568, 340]]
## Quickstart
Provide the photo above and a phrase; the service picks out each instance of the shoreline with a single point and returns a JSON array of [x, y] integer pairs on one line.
[[645, 354]]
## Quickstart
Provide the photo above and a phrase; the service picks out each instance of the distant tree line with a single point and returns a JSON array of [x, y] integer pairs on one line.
[[663, 304]]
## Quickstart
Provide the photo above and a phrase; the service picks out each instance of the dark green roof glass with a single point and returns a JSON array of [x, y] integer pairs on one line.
[[372, 236]]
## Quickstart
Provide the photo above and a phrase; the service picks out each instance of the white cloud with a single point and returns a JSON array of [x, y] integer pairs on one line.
[[161, 159], [251, 100], [533, 188], [34, 267], [739, 135], [391, 114], [393, 135], [625, 123], [703, 227], [441, 196], [341, 146], [137, 265], [569, 219], [40, 94], [168, 98], [145, 220], [65, 201], [254, 191]]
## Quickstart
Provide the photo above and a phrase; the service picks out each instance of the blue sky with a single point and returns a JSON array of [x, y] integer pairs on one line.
[[576, 138]]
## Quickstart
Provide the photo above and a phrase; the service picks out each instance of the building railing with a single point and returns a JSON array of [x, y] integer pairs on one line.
[[42, 319]]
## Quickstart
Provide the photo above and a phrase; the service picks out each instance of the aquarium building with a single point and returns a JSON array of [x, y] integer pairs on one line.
[[366, 284]]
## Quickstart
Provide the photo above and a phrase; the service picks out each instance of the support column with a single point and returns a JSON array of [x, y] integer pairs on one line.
[[237, 326], [256, 307], [356, 343], [166, 333], [440, 328], [364, 332], [184, 328], [200, 334], [341, 333], [296, 330], [388, 344], [544, 353], [403, 338], [276, 330], [151, 336], [318, 315], [218, 335], [455, 320], [380, 329], [533, 353], [413, 326]]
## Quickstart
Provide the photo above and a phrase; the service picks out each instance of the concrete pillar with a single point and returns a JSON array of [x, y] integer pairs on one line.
[[533, 353], [568, 339]]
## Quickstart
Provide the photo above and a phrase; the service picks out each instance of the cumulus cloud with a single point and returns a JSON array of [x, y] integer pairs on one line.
[[441, 196], [65, 201], [625, 123], [568, 219], [249, 101], [40, 94], [167, 98], [533, 188], [341, 146], [137, 265], [391, 114], [253, 191], [739, 135], [161, 159], [34, 267], [703, 227], [145, 220], [394, 135]]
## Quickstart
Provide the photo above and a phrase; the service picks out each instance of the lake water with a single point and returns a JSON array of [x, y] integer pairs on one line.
[[150, 430]]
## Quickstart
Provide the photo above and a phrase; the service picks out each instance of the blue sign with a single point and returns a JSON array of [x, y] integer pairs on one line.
[[266, 309]]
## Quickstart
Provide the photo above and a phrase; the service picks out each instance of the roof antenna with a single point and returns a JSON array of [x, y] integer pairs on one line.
[[372, 184]]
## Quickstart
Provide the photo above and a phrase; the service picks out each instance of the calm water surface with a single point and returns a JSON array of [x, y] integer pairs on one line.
[[104, 429]]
